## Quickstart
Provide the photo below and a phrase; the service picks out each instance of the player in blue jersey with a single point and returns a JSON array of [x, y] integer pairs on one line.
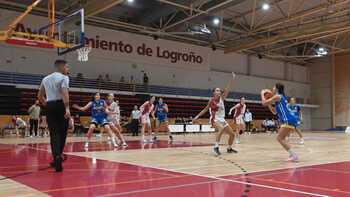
[[287, 120], [296, 111], [161, 113], [98, 108]]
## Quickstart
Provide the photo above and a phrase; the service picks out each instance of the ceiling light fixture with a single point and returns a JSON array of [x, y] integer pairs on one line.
[[216, 21], [321, 51], [265, 6]]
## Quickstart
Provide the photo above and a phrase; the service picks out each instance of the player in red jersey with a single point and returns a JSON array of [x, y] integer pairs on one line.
[[217, 116]]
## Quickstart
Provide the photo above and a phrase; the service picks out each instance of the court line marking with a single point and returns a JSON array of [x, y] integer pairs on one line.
[[329, 170], [201, 183], [88, 169], [33, 166], [234, 181], [113, 183], [300, 185], [217, 178], [238, 176]]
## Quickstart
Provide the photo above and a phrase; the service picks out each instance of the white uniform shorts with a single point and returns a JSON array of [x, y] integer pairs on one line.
[[221, 121], [239, 119], [145, 119]]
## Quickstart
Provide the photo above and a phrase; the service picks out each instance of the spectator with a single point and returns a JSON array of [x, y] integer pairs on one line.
[[34, 115], [122, 79], [107, 78], [270, 125], [80, 79], [264, 124], [135, 116], [43, 127], [145, 79], [20, 125], [99, 81], [190, 120], [248, 119], [99, 78], [132, 82], [178, 120]]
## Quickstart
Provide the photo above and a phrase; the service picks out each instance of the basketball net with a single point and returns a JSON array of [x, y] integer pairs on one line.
[[83, 53]]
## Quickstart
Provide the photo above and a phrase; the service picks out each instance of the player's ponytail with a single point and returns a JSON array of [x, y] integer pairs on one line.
[[280, 88]]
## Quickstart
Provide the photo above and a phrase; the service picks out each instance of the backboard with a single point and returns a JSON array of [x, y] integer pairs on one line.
[[71, 30]]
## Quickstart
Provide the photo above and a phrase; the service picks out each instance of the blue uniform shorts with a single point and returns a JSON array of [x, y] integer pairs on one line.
[[99, 121]]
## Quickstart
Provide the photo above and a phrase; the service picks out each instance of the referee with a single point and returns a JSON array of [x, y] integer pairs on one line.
[[54, 94]]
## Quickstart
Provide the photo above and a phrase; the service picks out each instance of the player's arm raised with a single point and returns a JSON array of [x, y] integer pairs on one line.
[[229, 86]]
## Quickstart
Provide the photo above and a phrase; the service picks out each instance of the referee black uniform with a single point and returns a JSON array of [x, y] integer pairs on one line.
[[54, 95]]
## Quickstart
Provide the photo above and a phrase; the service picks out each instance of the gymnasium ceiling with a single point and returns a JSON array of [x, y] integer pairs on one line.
[[290, 30]]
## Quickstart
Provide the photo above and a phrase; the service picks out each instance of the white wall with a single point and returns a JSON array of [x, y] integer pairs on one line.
[[321, 91], [267, 68], [228, 62]]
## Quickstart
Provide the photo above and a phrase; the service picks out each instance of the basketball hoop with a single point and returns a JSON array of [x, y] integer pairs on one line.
[[83, 53]]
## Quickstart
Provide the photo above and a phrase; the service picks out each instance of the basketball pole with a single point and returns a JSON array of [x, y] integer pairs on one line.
[[10, 33], [4, 35], [51, 16]]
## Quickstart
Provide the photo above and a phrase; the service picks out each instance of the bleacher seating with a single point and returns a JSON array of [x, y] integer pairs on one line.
[[179, 107], [34, 79]]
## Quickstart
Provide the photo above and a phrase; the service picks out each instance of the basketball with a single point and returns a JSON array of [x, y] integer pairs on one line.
[[268, 94]]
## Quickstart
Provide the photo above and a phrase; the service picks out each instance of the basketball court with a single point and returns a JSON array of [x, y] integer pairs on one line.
[[179, 50], [186, 168]]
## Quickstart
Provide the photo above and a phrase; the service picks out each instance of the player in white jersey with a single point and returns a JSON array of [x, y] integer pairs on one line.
[[238, 118], [113, 117], [217, 116]]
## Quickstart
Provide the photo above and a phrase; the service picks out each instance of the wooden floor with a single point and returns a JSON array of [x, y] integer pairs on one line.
[[257, 153]]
